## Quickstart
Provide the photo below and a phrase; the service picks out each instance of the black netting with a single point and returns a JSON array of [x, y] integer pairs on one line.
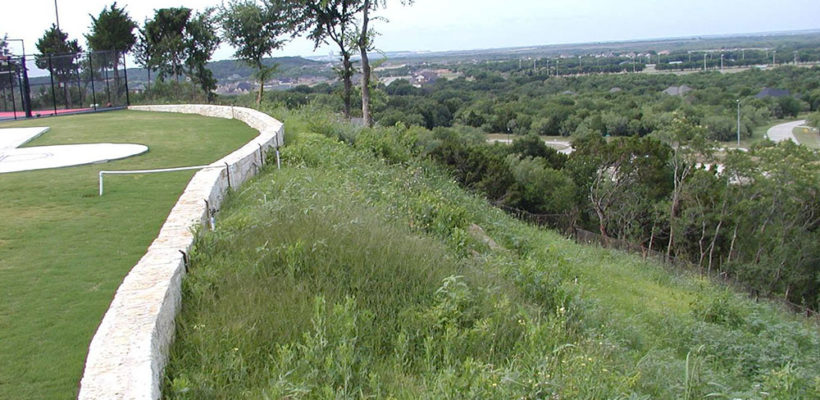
[[64, 83]]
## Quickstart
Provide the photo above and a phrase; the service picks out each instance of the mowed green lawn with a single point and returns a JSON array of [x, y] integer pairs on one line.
[[64, 250]]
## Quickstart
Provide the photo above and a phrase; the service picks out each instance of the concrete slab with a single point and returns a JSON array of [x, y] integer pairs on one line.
[[13, 159], [43, 157], [12, 138]]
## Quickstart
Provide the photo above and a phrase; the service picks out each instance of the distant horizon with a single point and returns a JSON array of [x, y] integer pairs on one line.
[[313, 56], [464, 25]]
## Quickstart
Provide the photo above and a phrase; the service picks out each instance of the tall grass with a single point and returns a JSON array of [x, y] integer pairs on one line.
[[347, 276]]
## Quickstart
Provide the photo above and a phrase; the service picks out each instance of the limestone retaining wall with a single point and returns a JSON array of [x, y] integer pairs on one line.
[[130, 349]]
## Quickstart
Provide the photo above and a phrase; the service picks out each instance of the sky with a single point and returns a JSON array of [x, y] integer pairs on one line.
[[440, 25]]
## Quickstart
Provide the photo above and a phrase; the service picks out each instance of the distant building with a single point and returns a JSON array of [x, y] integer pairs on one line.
[[615, 90], [769, 92], [678, 90]]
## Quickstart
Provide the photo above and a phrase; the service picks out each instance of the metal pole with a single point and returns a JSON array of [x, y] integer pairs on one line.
[[101, 183], [107, 88], [11, 89], [53, 94], [125, 72], [22, 94], [93, 92], [57, 14], [26, 87], [80, 91], [738, 123]]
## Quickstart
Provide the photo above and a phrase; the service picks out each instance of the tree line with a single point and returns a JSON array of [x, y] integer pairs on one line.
[[178, 42], [524, 101]]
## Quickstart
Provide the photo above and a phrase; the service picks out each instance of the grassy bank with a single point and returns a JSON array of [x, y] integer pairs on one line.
[[344, 276], [64, 250]]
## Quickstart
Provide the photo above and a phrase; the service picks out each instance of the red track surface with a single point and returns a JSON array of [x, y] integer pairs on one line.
[[22, 114]]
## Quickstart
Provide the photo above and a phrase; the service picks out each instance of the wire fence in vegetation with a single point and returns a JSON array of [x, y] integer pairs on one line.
[[564, 224]]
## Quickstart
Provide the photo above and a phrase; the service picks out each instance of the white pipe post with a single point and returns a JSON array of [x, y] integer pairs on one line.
[[101, 183]]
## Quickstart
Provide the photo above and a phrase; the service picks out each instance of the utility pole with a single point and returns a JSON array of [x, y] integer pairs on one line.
[[721, 61], [704, 61], [774, 59], [738, 123]]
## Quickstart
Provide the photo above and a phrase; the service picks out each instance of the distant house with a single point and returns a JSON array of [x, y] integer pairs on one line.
[[678, 90], [769, 92], [615, 90]]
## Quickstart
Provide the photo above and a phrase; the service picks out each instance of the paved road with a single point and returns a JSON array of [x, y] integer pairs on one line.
[[562, 147], [779, 133]]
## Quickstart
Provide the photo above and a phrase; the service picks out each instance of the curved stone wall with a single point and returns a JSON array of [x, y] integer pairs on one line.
[[130, 348]]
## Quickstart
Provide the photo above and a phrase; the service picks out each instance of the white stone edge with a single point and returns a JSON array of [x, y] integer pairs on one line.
[[129, 351]]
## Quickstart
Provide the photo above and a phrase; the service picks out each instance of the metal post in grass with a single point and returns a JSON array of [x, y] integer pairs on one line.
[[228, 174], [53, 93]]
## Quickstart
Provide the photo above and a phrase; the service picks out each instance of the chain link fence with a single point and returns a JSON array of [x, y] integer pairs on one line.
[[42, 85]]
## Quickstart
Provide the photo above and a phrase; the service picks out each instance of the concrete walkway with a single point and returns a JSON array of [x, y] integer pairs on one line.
[[779, 133], [13, 159]]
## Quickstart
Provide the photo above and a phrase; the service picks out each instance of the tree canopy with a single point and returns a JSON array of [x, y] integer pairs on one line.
[[256, 30], [112, 29]]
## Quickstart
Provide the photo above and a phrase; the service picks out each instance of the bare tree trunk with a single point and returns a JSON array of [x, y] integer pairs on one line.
[[261, 90], [717, 232], [701, 248], [348, 84], [732, 245], [672, 214], [363, 45], [712, 245]]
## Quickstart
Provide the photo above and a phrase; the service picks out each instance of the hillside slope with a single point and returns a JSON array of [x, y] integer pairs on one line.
[[345, 276]]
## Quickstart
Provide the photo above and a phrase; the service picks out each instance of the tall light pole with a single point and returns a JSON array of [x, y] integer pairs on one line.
[[57, 14], [738, 123], [25, 89]]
